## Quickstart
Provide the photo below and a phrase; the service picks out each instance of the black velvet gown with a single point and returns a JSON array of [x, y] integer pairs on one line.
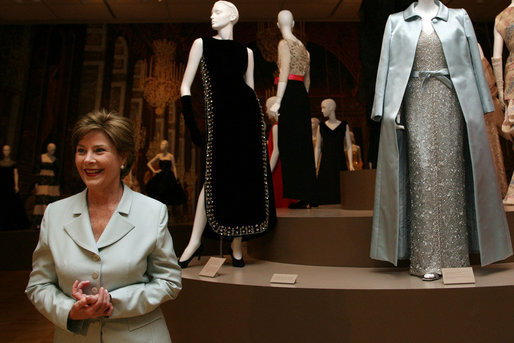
[[238, 192], [333, 161]]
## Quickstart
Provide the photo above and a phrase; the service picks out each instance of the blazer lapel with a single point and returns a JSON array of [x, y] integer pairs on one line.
[[118, 225], [79, 229]]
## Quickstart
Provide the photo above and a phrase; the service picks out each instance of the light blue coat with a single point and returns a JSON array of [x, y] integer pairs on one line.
[[488, 228], [133, 259]]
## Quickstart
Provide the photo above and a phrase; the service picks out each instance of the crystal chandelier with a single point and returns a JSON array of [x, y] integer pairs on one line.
[[162, 80]]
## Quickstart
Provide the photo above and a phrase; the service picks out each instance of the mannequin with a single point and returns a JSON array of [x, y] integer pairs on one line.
[[295, 144], [502, 35], [235, 199], [356, 154], [46, 187], [163, 155], [164, 185], [436, 195], [275, 164], [12, 213], [8, 162], [332, 136]]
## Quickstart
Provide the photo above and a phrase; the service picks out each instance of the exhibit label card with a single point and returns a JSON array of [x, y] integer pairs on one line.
[[212, 267], [284, 278], [453, 276]]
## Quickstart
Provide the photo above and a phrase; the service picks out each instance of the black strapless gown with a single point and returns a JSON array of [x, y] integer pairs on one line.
[[164, 187], [238, 186]]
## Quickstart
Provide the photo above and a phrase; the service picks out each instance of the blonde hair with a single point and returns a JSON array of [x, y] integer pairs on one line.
[[117, 128], [232, 7]]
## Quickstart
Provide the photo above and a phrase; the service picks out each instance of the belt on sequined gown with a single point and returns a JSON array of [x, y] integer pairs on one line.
[[441, 75]]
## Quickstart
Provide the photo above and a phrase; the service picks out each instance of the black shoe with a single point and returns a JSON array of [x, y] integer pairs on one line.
[[235, 262], [198, 252], [301, 204]]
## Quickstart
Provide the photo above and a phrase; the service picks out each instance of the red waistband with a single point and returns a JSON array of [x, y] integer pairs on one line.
[[292, 77]]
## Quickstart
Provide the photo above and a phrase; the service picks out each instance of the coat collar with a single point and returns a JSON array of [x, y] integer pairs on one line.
[[410, 13], [80, 230]]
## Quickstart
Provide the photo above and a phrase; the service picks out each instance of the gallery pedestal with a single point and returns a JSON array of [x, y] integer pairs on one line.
[[340, 295]]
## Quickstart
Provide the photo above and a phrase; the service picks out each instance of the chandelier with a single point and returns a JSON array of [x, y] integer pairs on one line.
[[162, 79]]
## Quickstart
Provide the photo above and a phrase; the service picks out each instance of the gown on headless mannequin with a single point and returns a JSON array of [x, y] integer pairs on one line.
[[237, 197], [504, 24], [47, 186], [295, 143], [493, 123], [12, 212]]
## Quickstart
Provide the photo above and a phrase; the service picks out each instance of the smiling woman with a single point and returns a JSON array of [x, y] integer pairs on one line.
[[81, 280]]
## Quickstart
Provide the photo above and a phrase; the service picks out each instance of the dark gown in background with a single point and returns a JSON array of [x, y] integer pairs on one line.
[[332, 162], [295, 132], [238, 188], [164, 187], [12, 212]]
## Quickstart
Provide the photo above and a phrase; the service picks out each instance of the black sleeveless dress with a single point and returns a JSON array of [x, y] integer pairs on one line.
[[333, 161], [238, 190], [164, 187]]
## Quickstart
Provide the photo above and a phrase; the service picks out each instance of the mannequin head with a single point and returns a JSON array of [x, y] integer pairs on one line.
[[314, 125], [328, 106], [223, 13], [164, 146], [6, 151], [50, 149], [285, 20], [270, 102]]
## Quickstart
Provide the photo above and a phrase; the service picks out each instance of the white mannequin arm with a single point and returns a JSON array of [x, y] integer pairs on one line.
[[195, 55], [16, 178], [275, 154], [284, 59], [249, 70], [497, 63], [317, 149], [349, 151], [150, 163]]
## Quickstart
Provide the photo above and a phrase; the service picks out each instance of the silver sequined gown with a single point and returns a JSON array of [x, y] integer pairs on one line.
[[435, 129]]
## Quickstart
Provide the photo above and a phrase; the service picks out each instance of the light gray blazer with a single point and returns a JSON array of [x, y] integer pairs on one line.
[[133, 259], [488, 228]]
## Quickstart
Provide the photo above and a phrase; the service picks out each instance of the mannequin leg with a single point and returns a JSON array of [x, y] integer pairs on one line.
[[237, 247], [198, 227]]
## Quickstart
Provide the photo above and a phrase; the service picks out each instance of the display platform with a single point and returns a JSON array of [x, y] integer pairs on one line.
[[340, 304], [327, 236]]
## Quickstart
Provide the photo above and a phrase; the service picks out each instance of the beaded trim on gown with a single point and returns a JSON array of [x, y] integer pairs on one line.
[[238, 187]]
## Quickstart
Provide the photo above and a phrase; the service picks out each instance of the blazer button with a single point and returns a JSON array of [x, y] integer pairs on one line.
[[94, 290], [95, 275]]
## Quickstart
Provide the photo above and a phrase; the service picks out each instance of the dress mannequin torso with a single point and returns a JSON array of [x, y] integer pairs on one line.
[[295, 132], [227, 74], [330, 152], [46, 187]]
